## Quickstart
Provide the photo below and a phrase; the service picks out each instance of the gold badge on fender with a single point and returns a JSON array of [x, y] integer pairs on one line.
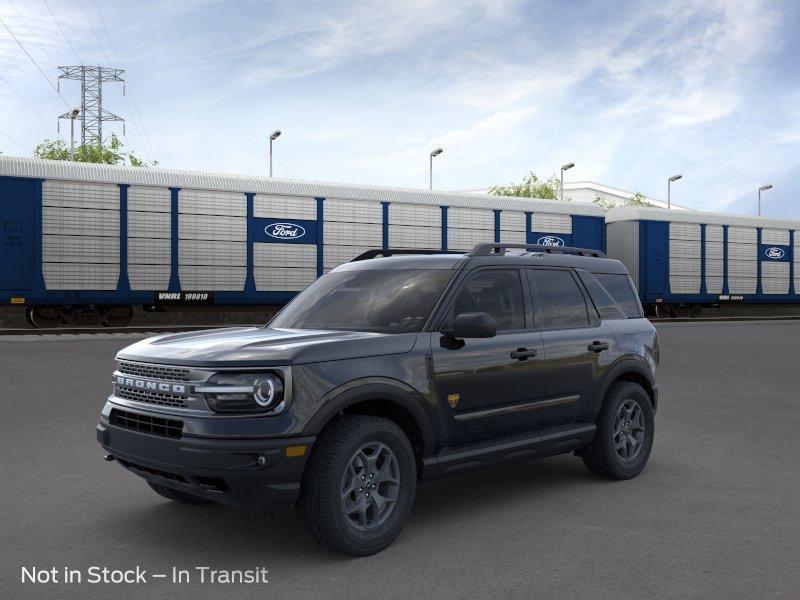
[[453, 399]]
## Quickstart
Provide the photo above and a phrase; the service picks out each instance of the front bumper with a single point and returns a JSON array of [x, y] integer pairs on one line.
[[257, 475]]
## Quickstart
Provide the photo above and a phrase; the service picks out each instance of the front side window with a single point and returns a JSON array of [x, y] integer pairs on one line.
[[559, 299], [388, 301], [497, 292]]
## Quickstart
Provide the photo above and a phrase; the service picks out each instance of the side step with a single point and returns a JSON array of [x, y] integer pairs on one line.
[[541, 444]]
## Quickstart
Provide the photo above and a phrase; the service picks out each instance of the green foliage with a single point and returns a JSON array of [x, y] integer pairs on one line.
[[113, 153], [606, 204], [531, 187]]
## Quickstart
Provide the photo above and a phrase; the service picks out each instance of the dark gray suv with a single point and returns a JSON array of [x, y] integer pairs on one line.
[[392, 369]]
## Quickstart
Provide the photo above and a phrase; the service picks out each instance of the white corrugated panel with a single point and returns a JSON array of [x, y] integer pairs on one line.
[[747, 252], [76, 221], [353, 234], [337, 255], [405, 236], [148, 277], [551, 223], [470, 218], [353, 211], [80, 194], [742, 285], [74, 248], [209, 278], [775, 277], [285, 255], [149, 199], [208, 227], [684, 284], [742, 235], [714, 285], [684, 231], [679, 248], [634, 213], [513, 237], [466, 239], [205, 202], [149, 225], [715, 250], [204, 252], [775, 236], [283, 280], [623, 245], [742, 268], [512, 220], [143, 251], [415, 214], [267, 206], [684, 266], [80, 276], [715, 267], [714, 233]]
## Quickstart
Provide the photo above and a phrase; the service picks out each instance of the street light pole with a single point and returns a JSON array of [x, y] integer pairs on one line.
[[564, 168], [273, 136], [436, 152], [669, 189], [763, 188], [72, 115]]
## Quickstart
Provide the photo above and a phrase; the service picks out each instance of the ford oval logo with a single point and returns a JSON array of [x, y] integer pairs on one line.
[[775, 253], [550, 240], [285, 231]]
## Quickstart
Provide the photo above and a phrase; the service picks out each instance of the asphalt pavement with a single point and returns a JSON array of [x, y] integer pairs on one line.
[[716, 513]]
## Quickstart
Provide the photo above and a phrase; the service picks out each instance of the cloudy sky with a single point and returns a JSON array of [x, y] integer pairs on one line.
[[632, 92]]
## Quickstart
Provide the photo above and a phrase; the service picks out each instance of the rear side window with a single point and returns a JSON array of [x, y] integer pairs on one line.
[[621, 289], [559, 300], [608, 308]]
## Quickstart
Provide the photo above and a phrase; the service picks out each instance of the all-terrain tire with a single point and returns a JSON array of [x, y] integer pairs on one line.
[[320, 504], [603, 457], [177, 496]]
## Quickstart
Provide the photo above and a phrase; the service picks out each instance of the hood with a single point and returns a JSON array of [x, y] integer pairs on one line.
[[260, 346]]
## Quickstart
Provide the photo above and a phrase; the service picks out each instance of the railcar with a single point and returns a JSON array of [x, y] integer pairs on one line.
[[88, 243], [684, 261]]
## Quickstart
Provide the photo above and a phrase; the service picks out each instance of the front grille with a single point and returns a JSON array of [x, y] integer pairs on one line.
[[154, 371], [171, 428], [140, 469], [158, 398]]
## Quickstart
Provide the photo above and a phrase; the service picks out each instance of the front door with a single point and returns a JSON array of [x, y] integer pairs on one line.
[[17, 228], [484, 386]]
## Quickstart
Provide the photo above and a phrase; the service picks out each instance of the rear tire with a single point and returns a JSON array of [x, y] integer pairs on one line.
[[624, 437], [177, 496], [338, 502]]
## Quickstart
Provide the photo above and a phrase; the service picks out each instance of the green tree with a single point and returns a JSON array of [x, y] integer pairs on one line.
[[606, 204], [531, 187], [112, 153]]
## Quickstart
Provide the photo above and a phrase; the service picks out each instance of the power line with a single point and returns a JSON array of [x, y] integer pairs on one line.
[[61, 29], [99, 43], [35, 64], [136, 114], [16, 142], [21, 97], [38, 41]]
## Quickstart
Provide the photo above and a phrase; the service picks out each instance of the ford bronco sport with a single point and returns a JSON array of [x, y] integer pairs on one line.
[[397, 367]]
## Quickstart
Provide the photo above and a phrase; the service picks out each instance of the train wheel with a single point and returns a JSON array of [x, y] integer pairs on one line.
[[118, 316], [695, 310], [28, 316], [44, 317]]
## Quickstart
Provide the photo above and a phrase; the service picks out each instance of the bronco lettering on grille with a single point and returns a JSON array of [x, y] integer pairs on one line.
[[147, 385]]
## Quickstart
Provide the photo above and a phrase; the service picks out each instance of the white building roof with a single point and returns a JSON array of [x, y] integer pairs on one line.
[[156, 176], [638, 213]]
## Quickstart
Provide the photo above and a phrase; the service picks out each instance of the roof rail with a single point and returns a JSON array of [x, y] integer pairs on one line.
[[489, 249], [369, 254]]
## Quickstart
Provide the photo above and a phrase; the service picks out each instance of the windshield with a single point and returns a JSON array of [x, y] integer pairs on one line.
[[392, 301]]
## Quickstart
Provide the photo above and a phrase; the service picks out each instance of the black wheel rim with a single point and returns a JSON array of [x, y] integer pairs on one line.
[[629, 430], [370, 486]]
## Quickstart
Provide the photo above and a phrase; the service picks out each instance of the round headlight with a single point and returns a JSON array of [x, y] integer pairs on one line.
[[264, 392]]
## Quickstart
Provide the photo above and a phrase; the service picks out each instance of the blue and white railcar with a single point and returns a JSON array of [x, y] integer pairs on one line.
[[682, 261], [99, 239]]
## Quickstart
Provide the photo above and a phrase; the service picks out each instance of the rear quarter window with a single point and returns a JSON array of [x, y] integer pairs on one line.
[[620, 287]]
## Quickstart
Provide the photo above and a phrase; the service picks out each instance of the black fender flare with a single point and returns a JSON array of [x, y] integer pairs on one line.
[[624, 366], [387, 390]]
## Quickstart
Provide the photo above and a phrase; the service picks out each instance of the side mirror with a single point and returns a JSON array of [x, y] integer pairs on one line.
[[472, 325]]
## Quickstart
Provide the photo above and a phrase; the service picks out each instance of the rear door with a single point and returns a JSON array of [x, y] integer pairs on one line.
[[485, 387], [578, 346], [17, 227]]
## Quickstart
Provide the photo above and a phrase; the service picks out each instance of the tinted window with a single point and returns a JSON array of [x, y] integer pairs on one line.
[[497, 292], [605, 304], [391, 301], [559, 299], [622, 291]]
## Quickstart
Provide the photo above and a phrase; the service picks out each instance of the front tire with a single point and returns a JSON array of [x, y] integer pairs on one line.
[[359, 485], [624, 437]]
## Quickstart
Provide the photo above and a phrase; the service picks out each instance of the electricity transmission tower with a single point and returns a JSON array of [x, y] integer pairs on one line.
[[92, 113]]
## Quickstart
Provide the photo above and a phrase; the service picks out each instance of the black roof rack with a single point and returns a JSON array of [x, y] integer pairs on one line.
[[369, 254], [500, 249]]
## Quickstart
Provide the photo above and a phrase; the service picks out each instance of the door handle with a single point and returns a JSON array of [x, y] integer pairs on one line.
[[598, 346], [522, 353]]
